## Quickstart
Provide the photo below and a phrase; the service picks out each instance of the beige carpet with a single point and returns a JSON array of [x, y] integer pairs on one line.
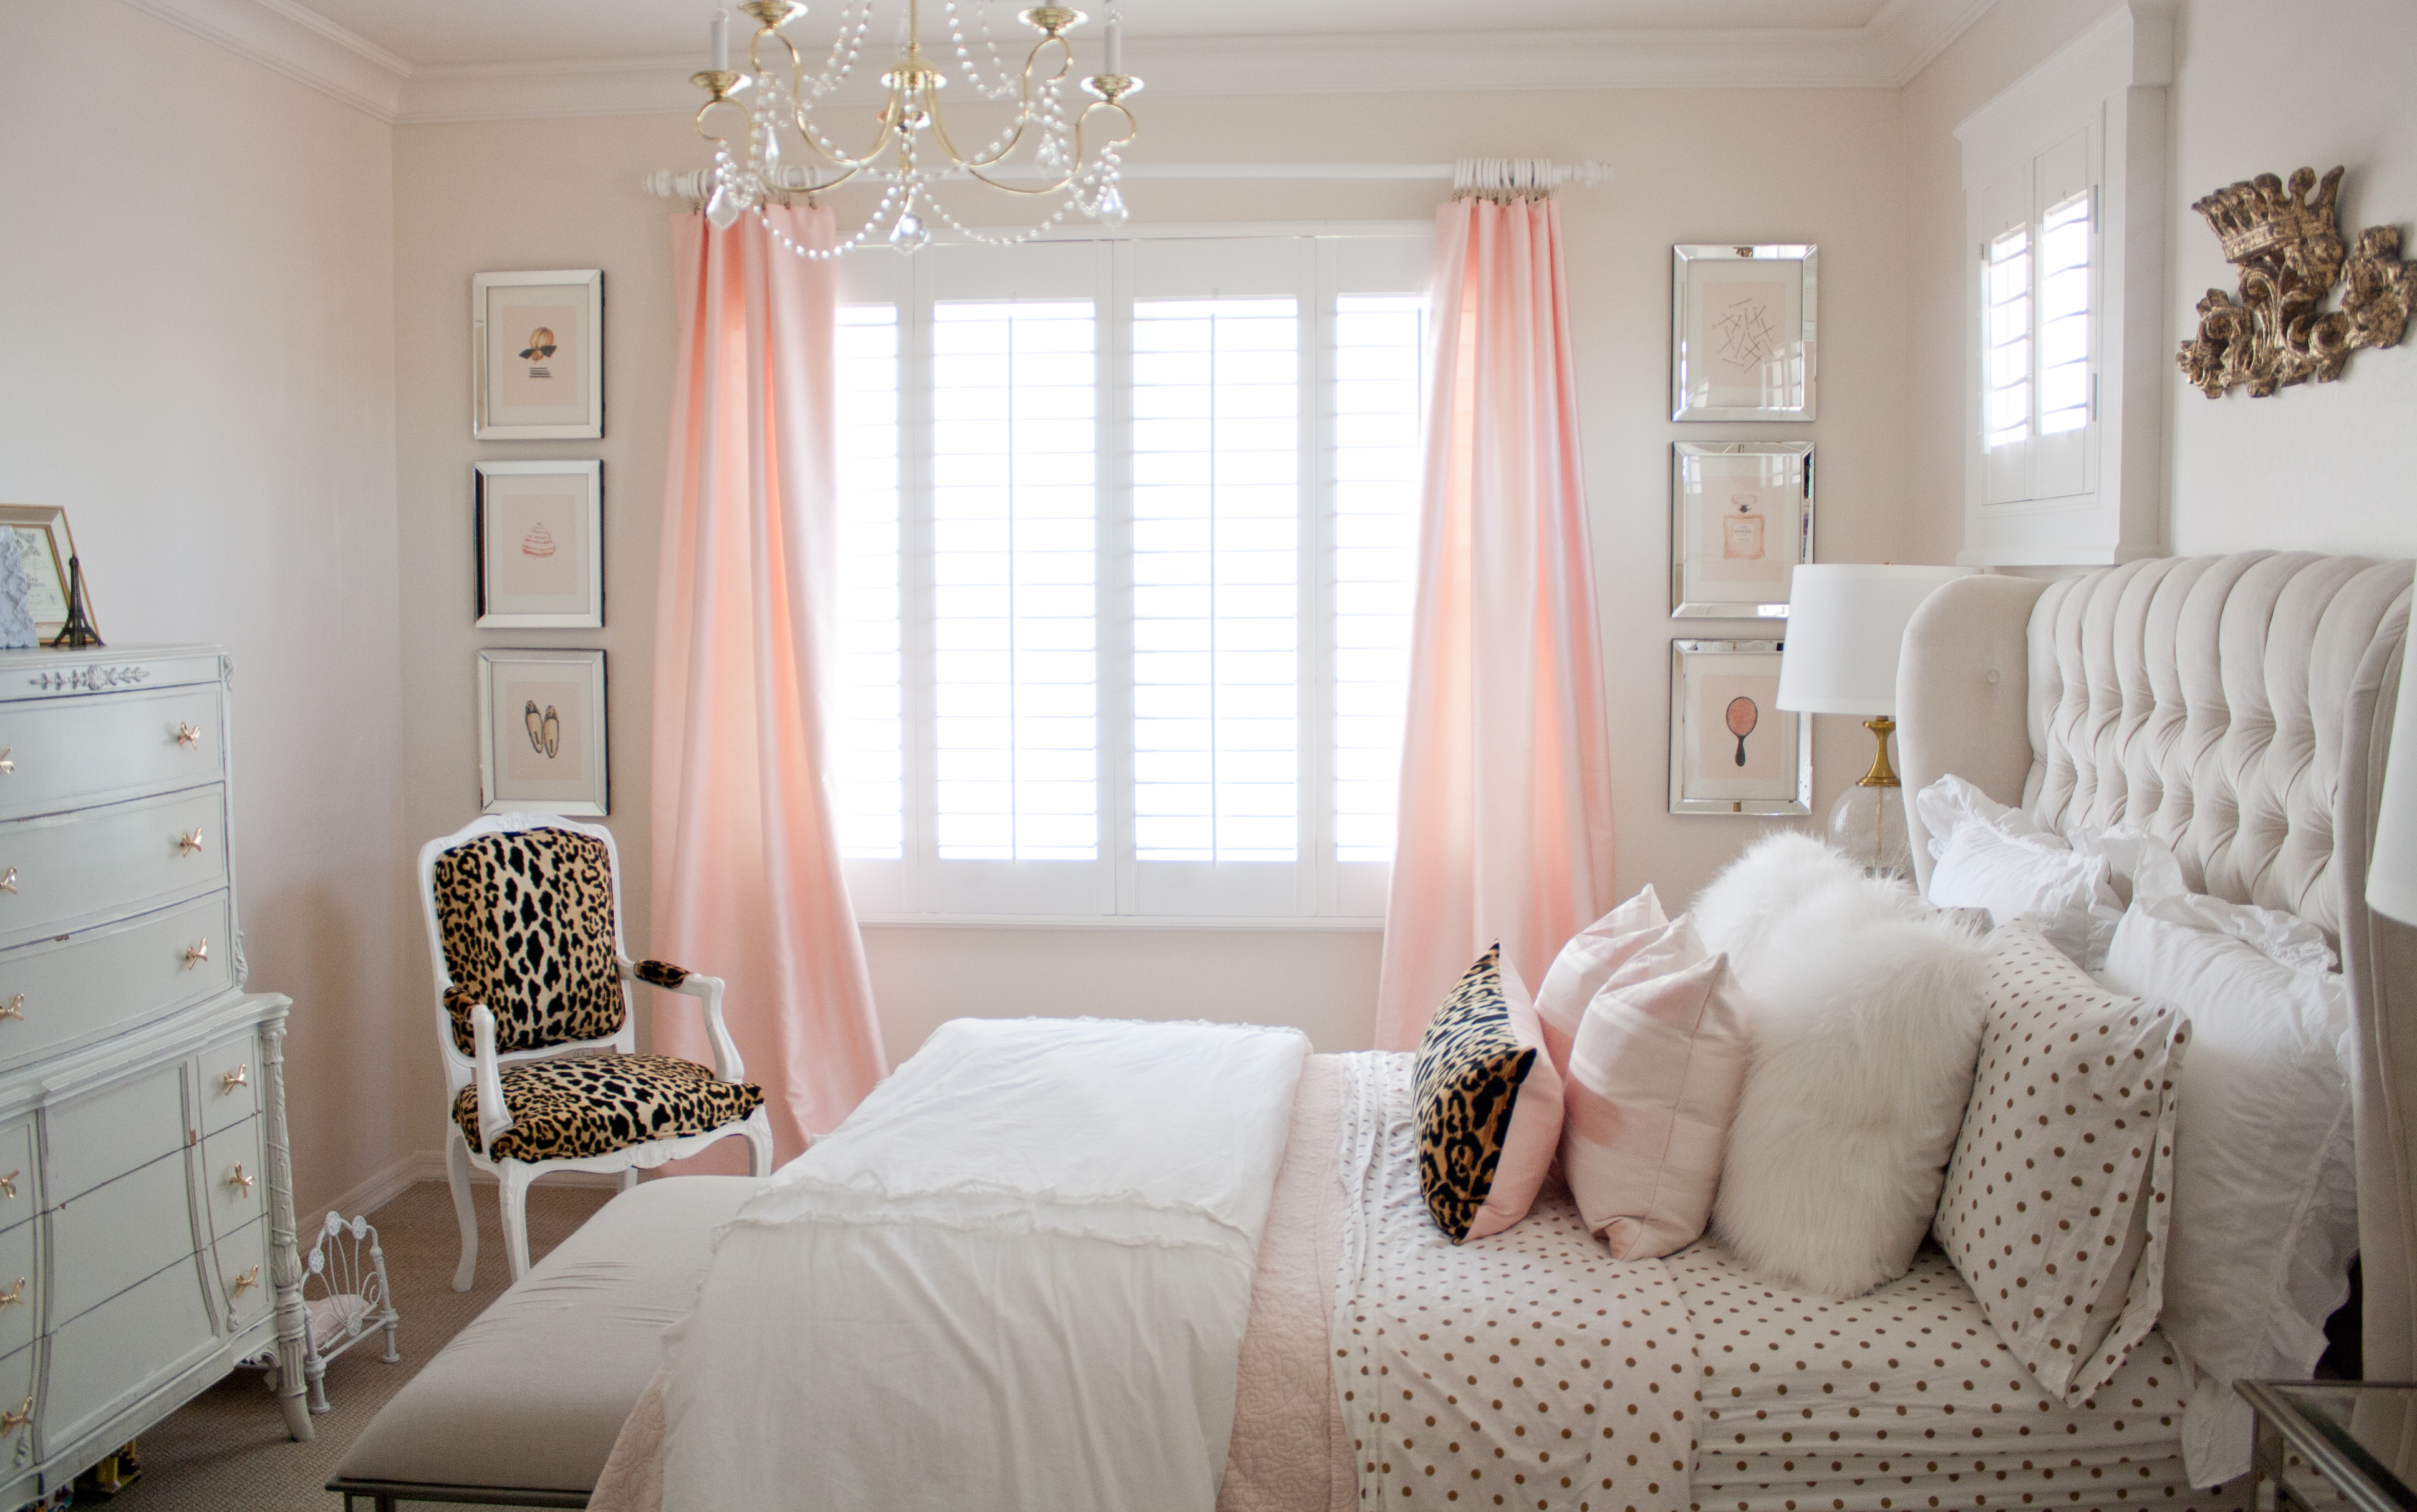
[[226, 1451]]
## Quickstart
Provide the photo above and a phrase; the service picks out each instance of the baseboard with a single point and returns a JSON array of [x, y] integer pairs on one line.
[[368, 1196]]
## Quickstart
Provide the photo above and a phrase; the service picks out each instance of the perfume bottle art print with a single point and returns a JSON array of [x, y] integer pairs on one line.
[[1742, 530]]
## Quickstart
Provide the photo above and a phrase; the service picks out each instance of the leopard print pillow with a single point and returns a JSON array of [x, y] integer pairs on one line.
[[1481, 1053], [581, 1105], [526, 922]]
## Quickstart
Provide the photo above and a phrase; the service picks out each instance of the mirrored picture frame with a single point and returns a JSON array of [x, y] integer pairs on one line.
[[540, 529], [1742, 343], [1740, 521], [1733, 751], [542, 731], [536, 356], [47, 548]]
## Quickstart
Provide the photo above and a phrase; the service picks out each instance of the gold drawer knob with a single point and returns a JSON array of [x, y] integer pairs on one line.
[[14, 1008], [14, 1294], [196, 954], [8, 881], [237, 1078], [188, 735], [239, 1181], [11, 1422], [8, 767], [9, 1183], [188, 844], [245, 1283]]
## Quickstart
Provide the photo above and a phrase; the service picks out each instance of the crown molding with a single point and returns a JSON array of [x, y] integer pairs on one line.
[[1884, 54], [298, 42]]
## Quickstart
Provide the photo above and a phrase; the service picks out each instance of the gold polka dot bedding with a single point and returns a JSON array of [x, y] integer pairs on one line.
[[1530, 1370]]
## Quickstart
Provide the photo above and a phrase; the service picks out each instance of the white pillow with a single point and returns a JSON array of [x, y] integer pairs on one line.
[[1734, 912], [2265, 1186], [2010, 875], [1865, 1012]]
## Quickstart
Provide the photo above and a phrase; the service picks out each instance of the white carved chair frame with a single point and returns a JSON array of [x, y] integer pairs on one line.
[[514, 1177]]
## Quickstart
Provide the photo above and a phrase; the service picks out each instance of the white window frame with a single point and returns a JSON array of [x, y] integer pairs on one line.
[[2092, 118], [1314, 892]]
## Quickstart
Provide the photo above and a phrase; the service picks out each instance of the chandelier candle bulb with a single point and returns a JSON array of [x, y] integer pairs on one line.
[[1116, 59], [721, 41]]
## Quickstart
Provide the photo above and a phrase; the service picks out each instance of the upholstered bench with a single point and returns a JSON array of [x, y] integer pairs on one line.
[[522, 1408]]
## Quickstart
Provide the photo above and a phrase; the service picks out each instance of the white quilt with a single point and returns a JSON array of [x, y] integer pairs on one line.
[[1016, 1277]]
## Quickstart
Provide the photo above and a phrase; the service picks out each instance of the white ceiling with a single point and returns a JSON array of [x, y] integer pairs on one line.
[[467, 60], [426, 32]]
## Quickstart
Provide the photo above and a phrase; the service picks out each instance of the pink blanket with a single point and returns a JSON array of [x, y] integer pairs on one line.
[[1291, 1452]]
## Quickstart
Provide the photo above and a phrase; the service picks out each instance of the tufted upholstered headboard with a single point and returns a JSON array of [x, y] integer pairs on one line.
[[2238, 708]]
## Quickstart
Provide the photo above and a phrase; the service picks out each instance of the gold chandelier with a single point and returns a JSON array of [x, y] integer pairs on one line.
[[1041, 152]]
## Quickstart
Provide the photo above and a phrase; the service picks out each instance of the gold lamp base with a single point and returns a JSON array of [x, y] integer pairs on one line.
[[1868, 820]]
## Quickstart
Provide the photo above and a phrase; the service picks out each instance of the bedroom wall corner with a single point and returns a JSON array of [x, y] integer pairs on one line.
[[199, 365]]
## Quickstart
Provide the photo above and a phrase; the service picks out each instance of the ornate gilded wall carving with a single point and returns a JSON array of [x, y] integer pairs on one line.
[[2291, 256]]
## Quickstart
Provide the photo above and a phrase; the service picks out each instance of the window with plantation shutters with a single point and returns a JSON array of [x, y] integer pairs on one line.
[[1128, 531]]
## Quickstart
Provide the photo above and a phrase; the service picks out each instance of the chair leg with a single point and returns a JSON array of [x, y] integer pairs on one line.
[[512, 1193], [759, 1147], [457, 1171]]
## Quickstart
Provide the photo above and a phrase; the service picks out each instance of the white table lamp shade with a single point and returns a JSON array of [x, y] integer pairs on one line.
[[1845, 622], [2392, 870]]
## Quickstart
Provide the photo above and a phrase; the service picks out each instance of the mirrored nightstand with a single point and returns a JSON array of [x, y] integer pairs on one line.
[[2325, 1444]]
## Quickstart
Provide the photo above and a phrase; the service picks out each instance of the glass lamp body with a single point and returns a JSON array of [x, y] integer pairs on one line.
[[1868, 824]]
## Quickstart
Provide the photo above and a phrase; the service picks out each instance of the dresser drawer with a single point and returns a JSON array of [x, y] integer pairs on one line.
[[233, 1189], [55, 992], [66, 752], [19, 1402], [119, 1351], [229, 1088], [86, 868], [240, 1264], [115, 1235], [102, 1135], [21, 1194], [21, 1285]]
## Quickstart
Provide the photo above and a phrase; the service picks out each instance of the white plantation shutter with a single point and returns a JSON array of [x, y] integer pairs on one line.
[[1129, 531]]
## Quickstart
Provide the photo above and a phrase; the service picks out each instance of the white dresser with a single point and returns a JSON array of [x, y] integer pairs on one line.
[[147, 1208]]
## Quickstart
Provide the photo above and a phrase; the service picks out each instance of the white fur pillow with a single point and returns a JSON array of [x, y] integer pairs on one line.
[[1865, 1008], [1733, 915]]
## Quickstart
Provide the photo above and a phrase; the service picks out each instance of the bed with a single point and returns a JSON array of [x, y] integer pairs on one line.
[[2238, 707]]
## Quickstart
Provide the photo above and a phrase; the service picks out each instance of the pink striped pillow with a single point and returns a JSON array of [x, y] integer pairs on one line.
[[1579, 973], [1654, 1079]]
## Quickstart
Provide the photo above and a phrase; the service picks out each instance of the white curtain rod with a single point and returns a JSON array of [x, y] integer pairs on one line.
[[1475, 174]]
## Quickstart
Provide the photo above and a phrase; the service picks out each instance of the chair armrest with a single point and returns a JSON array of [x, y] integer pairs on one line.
[[727, 1064], [495, 1115]]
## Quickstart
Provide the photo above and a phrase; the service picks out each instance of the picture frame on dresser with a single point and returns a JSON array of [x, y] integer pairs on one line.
[[536, 356], [1742, 331], [45, 546], [1740, 523], [540, 528], [1733, 751], [146, 1174], [542, 732]]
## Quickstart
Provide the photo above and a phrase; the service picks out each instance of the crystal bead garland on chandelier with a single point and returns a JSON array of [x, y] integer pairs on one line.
[[1039, 154]]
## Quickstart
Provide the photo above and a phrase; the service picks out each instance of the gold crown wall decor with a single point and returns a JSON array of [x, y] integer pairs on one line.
[[2292, 257]]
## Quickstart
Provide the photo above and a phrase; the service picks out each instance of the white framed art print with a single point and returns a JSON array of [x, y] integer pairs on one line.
[[541, 539], [1742, 331], [1733, 750], [542, 734], [1740, 521], [536, 356]]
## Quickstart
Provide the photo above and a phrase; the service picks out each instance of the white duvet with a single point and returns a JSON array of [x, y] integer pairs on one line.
[[1016, 1277]]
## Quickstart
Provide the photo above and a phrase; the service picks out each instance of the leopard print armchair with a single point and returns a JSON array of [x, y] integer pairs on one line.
[[535, 1028]]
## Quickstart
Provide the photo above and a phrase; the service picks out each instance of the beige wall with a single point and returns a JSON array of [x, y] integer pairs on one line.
[[196, 360], [1818, 165], [2313, 468]]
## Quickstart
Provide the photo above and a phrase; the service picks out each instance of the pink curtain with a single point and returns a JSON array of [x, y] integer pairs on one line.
[[1506, 791], [747, 883]]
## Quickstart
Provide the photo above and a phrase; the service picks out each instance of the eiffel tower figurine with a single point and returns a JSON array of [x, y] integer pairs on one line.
[[77, 632]]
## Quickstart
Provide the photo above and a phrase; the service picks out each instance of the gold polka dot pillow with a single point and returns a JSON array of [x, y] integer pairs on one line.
[[2057, 1195]]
